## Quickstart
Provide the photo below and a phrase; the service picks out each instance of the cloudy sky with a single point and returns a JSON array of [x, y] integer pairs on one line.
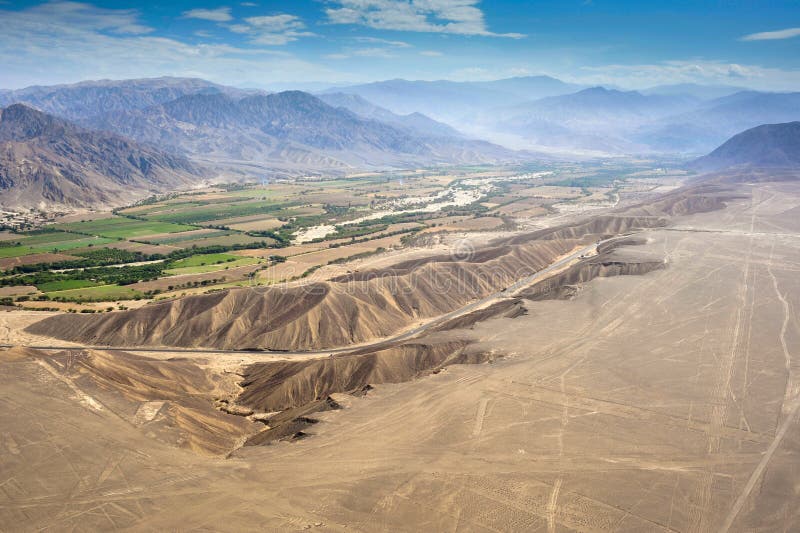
[[263, 43]]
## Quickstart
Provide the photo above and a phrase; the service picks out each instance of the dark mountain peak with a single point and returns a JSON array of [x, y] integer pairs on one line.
[[296, 98], [19, 112], [769, 145], [20, 122]]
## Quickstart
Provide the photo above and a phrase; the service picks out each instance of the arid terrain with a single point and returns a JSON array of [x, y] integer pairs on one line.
[[538, 381]]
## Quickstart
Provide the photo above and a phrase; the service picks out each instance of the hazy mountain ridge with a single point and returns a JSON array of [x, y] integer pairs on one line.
[[679, 118], [416, 122], [45, 160], [453, 101], [397, 123], [594, 118], [701, 92], [288, 132], [714, 121], [89, 98], [769, 145]]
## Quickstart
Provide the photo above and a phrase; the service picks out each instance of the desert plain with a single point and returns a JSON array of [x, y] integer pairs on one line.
[[650, 385]]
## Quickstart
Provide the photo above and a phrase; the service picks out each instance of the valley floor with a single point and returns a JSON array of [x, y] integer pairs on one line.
[[661, 402]]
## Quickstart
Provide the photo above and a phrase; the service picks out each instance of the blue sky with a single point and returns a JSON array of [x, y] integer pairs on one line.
[[258, 43]]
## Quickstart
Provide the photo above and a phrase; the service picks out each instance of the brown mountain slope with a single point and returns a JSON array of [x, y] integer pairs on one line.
[[317, 315], [46, 162], [342, 311]]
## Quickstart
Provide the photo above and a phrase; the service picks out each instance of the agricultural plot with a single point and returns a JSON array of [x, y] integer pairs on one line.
[[123, 227], [212, 267], [226, 240], [96, 293], [48, 243], [54, 286], [202, 263], [205, 213], [177, 238]]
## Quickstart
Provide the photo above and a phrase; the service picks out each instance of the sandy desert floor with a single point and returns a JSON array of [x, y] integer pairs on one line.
[[661, 402]]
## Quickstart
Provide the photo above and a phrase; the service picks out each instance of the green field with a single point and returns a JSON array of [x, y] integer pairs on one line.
[[181, 237], [202, 263], [97, 293], [217, 211], [204, 259], [69, 284], [224, 240], [202, 269], [124, 228], [43, 237], [81, 242]]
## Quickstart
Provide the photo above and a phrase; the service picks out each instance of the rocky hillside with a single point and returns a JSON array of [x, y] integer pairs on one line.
[[48, 162]]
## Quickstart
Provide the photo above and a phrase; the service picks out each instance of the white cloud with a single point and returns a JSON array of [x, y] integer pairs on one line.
[[373, 52], [461, 17], [272, 29], [64, 42], [397, 44], [788, 33], [221, 14], [431, 53], [80, 16], [383, 53], [689, 71]]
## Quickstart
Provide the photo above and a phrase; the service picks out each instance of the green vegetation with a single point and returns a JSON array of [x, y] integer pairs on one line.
[[64, 285], [212, 267], [202, 263], [203, 259], [603, 179], [51, 242], [96, 294], [123, 227], [205, 213]]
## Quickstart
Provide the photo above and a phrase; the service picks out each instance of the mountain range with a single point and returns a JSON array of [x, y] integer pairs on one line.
[[90, 98], [46, 161], [103, 141], [414, 122], [454, 102], [294, 132], [541, 113]]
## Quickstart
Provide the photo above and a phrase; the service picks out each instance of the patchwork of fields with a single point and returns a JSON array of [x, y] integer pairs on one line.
[[227, 236]]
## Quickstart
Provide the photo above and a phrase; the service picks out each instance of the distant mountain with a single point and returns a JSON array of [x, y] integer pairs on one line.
[[770, 145], [289, 132], [712, 122], [530, 87], [414, 122], [46, 161], [598, 109], [455, 102], [89, 98], [596, 118], [447, 101], [701, 92]]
